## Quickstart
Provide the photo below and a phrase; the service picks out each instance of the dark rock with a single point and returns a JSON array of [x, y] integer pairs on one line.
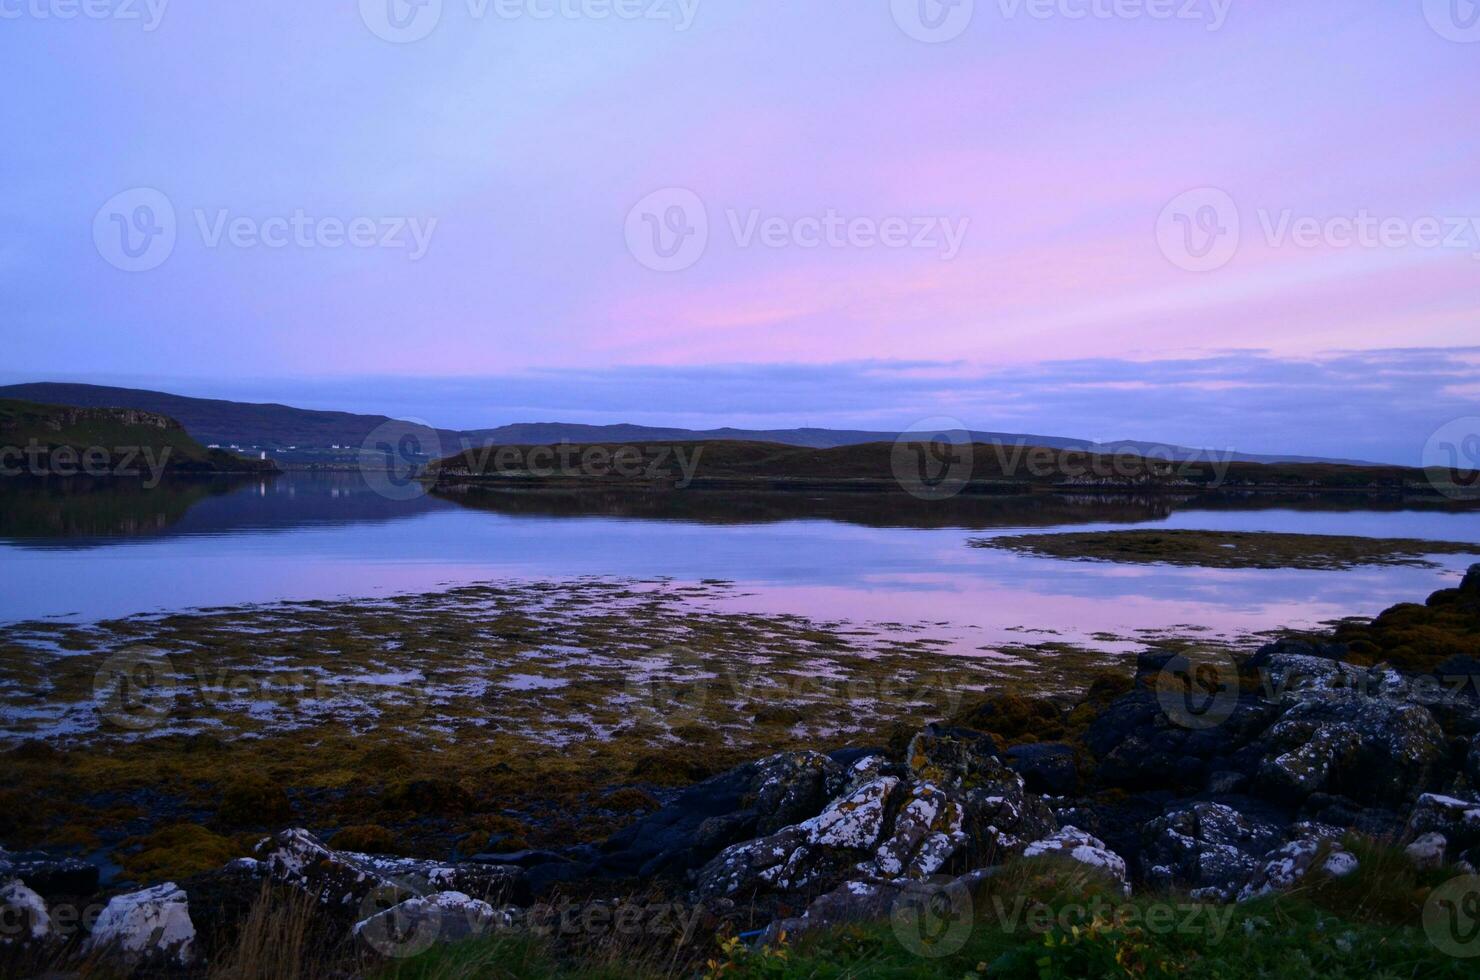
[[1471, 584], [1371, 750], [1046, 767], [50, 877], [807, 854], [521, 859], [1458, 819], [1140, 747], [1210, 848], [847, 757], [752, 800], [1291, 646]]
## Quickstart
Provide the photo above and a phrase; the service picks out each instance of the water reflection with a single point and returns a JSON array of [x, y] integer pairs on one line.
[[88, 551]]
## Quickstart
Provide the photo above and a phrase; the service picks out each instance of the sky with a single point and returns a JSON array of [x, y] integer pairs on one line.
[[1230, 223]]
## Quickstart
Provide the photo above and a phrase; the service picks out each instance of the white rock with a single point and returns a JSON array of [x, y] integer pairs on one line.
[[418, 923], [1286, 865], [1071, 842], [153, 924], [856, 820], [1427, 851], [25, 912]]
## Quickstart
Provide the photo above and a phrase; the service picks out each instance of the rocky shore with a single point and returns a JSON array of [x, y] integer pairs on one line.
[[1205, 776]]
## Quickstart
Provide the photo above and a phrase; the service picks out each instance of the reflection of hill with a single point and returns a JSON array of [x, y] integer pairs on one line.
[[895, 509], [86, 507], [99, 512], [867, 509]]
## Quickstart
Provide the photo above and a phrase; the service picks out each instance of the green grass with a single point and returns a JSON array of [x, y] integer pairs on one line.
[[1040, 921]]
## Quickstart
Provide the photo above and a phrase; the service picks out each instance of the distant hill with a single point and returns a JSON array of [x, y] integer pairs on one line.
[[61, 440], [273, 426], [881, 466]]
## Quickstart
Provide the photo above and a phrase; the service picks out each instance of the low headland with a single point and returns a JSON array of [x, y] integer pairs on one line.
[[38, 441]]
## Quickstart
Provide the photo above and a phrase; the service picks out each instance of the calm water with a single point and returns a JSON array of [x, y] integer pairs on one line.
[[90, 553]]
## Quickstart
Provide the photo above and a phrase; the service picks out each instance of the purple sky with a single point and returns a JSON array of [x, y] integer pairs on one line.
[[1055, 148]]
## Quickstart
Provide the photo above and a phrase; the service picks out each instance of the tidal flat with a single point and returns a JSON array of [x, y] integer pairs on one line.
[[433, 724]]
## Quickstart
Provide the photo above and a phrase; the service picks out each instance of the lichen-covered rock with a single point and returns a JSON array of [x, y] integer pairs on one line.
[[1210, 848], [1073, 843], [952, 758], [799, 856], [299, 859], [341, 880], [1293, 677], [418, 923], [754, 799], [24, 915], [1370, 750], [791, 786], [1283, 867], [1457, 819], [1001, 815], [927, 831], [146, 928]]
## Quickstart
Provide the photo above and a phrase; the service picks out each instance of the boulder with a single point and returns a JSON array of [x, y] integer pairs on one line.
[[1046, 767], [419, 923], [953, 758], [149, 929], [1075, 844], [1457, 819], [24, 920], [927, 831], [799, 856], [1285, 866], [1427, 852], [1292, 677], [755, 799], [1001, 817], [1140, 748], [342, 880], [1210, 848], [1371, 750], [50, 877]]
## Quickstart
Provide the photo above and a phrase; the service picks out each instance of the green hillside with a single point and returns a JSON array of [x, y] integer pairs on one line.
[[58, 440]]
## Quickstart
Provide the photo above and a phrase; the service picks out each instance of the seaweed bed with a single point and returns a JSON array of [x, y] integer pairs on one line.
[[523, 714], [1229, 549]]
